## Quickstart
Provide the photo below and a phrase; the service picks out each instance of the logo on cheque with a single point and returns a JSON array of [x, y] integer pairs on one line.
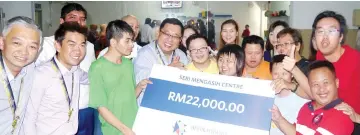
[[179, 128]]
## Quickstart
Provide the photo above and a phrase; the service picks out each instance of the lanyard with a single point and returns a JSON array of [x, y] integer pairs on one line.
[[10, 93], [159, 54], [65, 90]]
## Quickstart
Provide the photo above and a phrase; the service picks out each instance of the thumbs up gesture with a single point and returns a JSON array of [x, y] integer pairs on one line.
[[176, 63], [289, 61]]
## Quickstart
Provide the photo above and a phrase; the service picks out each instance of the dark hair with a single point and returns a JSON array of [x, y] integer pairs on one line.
[[247, 25], [322, 64], [72, 7], [338, 17], [233, 22], [173, 21], [295, 35], [276, 59], [193, 37], [69, 27], [148, 21], [238, 51], [253, 39], [115, 29], [269, 46], [312, 56]]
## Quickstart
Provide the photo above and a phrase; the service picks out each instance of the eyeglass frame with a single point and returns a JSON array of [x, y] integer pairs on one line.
[[171, 36], [226, 61], [286, 44], [332, 32], [201, 49]]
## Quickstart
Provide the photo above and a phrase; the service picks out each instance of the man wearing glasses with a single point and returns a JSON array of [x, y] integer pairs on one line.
[[199, 51], [330, 30], [290, 43], [288, 38], [163, 51]]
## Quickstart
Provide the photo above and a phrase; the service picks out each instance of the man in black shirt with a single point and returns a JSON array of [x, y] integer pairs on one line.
[[287, 38]]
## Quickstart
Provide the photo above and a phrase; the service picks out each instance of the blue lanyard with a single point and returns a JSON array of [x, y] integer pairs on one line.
[[66, 92], [7, 86], [159, 54]]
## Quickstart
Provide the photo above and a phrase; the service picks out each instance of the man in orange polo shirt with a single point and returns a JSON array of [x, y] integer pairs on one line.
[[255, 66]]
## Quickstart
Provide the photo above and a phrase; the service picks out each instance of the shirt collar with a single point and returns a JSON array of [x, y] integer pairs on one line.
[[158, 49], [10, 76], [63, 69]]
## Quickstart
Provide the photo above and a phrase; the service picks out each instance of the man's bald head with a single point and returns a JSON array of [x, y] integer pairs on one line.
[[133, 22]]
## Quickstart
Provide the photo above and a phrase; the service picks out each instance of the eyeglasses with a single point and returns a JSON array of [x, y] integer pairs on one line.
[[322, 32], [202, 49], [171, 36], [226, 61], [277, 46]]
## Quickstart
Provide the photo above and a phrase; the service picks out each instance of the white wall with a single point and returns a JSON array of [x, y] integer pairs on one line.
[[17, 8], [303, 13], [280, 5], [103, 12], [50, 16]]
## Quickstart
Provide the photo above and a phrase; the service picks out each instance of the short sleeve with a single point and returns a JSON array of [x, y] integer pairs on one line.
[[98, 97]]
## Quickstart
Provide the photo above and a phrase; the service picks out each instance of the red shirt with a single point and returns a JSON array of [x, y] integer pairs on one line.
[[332, 121], [245, 33], [347, 70]]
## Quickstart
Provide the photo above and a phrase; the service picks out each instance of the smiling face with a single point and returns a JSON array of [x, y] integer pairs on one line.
[[75, 16], [20, 46], [199, 51], [71, 51], [323, 85], [229, 33], [227, 65], [169, 38]]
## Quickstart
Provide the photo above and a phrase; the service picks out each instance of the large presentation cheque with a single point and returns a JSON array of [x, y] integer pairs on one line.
[[194, 103]]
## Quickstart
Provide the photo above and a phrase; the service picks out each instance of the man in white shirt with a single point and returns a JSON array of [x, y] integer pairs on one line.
[[163, 51], [73, 12], [53, 106], [134, 23], [20, 44]]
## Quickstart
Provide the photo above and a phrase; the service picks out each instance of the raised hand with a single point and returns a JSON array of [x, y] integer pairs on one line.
[[280, 84], [289, 61], [176, 63], [275, 114]]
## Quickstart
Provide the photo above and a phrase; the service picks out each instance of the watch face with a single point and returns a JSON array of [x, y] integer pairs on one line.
[[317, 119]]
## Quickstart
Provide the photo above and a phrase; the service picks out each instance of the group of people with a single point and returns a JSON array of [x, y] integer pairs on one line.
[[55, 85]]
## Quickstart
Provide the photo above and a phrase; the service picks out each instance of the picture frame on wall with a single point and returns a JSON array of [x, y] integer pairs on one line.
[[171, 4]]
